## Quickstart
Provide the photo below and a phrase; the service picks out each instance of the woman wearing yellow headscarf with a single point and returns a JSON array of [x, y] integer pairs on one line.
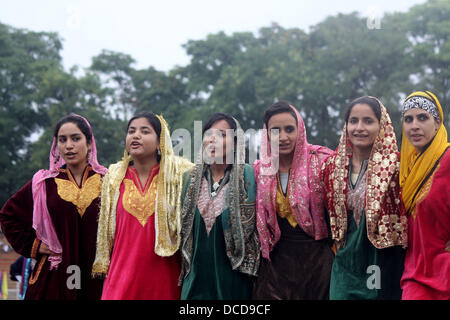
[[140, 216], [424, 178]]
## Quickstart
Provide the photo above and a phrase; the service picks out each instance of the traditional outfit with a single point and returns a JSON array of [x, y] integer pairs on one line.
[[220, 247], [139, 228], [53, 209], [368, 222], [425, 180], [291, 224]]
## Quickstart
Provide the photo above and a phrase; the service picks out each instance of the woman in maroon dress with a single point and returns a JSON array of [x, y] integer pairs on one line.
[[53, 218]]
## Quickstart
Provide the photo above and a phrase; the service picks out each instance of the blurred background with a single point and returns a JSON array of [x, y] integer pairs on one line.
[[107, 60]]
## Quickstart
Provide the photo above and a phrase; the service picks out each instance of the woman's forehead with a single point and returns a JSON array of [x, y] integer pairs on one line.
[[282, 120], [68, 129]]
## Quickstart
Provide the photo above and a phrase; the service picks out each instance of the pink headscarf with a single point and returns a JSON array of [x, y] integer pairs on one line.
[[42, 222], [305, 190]]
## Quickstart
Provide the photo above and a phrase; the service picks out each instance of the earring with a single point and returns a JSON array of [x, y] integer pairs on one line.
[[158, 152]]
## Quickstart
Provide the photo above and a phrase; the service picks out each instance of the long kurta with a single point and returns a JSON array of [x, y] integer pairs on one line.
[[427, 261], [136, 272], [211, 276], [76, 232], [353, 278], [361, 271]]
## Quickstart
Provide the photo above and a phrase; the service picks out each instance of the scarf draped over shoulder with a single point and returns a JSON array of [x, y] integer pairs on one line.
[[167, 211], [414, 168], [42, 223], [304, 188], [386, 221]]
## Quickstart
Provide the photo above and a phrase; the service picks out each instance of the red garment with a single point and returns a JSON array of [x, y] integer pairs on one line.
[[136, 272], [386, 220], [427, 263]]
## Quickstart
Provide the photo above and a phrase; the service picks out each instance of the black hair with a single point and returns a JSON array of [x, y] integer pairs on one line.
[[276, 108], [371, 102], [217, 117], [80, 123], [151, 118], [154, 122]]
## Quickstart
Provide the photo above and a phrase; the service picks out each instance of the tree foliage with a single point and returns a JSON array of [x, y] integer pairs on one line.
[[319, 71]]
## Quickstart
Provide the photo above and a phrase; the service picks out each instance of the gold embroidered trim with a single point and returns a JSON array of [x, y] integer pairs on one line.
[[34, 277], [140, 203], [34, 248], [282, 205], [168, 207], [107, 219], [82, 197]]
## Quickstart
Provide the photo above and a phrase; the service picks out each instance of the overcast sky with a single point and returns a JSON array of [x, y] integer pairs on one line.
[[153, 32]]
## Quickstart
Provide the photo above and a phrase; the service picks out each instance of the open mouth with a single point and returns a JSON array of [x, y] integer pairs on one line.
[[135, 145], [70, 155], [211, 148]]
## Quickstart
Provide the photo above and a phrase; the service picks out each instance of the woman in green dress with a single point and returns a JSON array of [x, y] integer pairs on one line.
[[219, 242], [367, 217]]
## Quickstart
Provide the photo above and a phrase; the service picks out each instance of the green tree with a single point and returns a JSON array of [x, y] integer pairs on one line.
[[428, 29], [25, 59]]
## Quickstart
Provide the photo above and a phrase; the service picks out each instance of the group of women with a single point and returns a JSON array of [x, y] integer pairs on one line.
[[363, 222]]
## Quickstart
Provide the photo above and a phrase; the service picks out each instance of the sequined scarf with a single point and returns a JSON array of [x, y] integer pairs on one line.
[[241, 239], [386, 221], [168, 208], [304, 190]]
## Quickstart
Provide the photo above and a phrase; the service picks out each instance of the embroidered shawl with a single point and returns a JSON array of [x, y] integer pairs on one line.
[[386, 221], [241, 239], [167, 212], [304, 189]]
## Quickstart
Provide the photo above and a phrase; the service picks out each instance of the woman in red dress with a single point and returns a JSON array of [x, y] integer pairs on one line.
[[140, 222], [424, 177]]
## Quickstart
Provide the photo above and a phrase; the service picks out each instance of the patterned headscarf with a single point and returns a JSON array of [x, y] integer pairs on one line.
[[304, 189], [414, 168], [167, 211], [421, 103], [242, 245], [42, 223], [386, 219]]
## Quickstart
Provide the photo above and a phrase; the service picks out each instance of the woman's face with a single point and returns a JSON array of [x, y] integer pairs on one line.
[[72, 145], [362, 127], [142, 140], [420, 127], [283, 127], [217, 141]]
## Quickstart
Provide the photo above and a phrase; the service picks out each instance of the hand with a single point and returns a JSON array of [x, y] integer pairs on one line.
[[44, 249]]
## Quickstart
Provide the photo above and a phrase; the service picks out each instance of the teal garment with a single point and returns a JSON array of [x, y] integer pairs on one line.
[[211, 276], [350, 276]]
